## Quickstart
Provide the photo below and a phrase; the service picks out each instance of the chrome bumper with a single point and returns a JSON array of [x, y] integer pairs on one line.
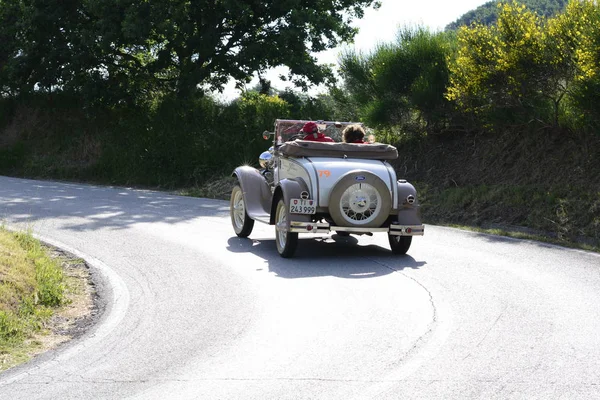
[[309, 227], [323, 227], [407, 230]]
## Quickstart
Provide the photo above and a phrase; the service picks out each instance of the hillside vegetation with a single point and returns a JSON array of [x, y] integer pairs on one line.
[[496, 124], [499, 124], [487, 14]]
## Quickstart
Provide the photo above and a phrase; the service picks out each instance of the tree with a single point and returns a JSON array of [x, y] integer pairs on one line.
[[504, 71], [304, 106], [50, 46], [177, 45], [581, 31], [524, 67], [402, 83]]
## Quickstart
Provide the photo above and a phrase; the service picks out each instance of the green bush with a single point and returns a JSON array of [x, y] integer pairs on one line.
[[49, 277], [174, 142], [401, 84], [32, 284]]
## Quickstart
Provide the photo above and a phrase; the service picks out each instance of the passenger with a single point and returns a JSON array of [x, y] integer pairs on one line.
[[354, 134], [311, 131]]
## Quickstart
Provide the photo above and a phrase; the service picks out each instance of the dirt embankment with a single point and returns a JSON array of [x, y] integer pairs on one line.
[[546, 180]]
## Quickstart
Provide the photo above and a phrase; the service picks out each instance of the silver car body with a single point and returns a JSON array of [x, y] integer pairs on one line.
[[324, 173]]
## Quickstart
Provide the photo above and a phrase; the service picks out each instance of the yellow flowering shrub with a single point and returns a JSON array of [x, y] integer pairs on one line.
[[495, 65], [582, 21]]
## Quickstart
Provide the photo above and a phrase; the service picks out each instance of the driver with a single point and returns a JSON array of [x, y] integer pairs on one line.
[[311, 132]]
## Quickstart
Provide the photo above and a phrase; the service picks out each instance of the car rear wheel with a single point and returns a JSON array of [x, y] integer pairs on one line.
[[242, 223], [399, 244], [286, 241], [360, 199]]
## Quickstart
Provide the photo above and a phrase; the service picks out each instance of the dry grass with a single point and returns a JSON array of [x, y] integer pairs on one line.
[[218, 188], [520, 233]]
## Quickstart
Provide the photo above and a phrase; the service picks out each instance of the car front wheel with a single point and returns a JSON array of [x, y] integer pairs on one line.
[[286, 241], [242, 223], [399, 244]]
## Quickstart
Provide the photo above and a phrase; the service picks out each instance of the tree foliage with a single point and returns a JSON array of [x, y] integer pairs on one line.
[[304, 106], [524, 67], [580, 34], [402, 83], [501, 66], [176, 45]]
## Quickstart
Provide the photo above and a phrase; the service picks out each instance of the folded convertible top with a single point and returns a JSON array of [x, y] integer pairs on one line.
[[305, 148]]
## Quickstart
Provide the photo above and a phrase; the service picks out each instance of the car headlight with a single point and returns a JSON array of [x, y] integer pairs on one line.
[[264, 159]]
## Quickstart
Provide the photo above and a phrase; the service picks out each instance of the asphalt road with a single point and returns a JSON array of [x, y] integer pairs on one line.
[[193, 312]]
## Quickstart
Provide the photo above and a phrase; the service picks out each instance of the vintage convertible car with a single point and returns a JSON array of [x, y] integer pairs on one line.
[[314, 187]]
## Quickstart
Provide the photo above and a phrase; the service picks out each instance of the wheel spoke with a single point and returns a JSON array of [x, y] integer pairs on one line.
[[359, 203]]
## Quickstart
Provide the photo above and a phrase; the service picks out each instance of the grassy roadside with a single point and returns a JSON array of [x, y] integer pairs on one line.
[[43, 295], [526, 234], [567, 216]]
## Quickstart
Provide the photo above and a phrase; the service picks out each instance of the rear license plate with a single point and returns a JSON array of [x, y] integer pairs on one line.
[[303, 206]]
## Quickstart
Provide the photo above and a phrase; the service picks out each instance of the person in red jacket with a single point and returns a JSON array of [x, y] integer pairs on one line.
[[311, 132]]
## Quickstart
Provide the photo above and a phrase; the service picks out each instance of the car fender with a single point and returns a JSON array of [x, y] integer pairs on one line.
[[256, 190], [289, 189], [408, 213]]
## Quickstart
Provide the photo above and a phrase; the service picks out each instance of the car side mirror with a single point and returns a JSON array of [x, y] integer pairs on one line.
[[267, 135]]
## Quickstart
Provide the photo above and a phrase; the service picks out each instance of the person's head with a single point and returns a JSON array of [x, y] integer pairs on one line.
[[353, 134], [310, 127]]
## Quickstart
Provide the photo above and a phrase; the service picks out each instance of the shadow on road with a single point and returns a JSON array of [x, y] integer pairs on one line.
[[334, 255], [102, 207]]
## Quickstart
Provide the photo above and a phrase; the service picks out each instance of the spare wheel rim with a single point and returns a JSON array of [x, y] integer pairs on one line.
[[360, 203]]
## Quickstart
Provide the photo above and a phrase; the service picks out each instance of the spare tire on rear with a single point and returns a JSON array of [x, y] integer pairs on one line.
[[360, 199]]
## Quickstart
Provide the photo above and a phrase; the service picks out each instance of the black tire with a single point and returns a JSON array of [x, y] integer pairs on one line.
[[242, 223], [286, 241], [399, 244], [343, 215]]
